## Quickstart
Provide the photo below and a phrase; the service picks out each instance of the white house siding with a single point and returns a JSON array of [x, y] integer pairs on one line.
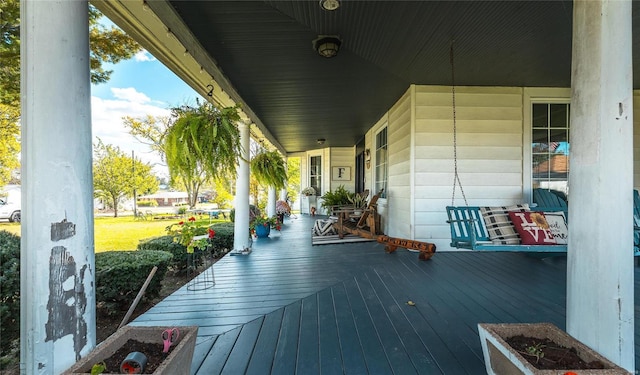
[[342, 157], [489, 153], [399, 137]]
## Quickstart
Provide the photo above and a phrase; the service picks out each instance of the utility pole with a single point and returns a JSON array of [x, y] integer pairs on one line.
[[133, 170]]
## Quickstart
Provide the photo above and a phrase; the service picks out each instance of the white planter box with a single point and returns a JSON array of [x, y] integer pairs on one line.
[[178, 362], [502, 359]]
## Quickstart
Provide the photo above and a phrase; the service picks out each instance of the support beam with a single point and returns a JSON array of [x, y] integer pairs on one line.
[[57, 265], [271, 201], [241, 225], [600, 253]]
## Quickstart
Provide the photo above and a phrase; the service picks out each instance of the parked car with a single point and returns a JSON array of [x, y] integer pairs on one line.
[[10, 210]]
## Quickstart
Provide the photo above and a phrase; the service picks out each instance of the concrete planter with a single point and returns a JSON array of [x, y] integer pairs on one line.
[[500, 358], [178, 361]]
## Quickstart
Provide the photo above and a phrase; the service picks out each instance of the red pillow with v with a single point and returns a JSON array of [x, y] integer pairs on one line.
[[532, 228]]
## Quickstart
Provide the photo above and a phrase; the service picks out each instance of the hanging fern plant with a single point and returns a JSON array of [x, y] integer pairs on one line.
[[268, 168], [203, 140]]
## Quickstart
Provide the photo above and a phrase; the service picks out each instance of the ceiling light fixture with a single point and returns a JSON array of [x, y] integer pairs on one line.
[[329, 4], [327, 45], [320, 141]]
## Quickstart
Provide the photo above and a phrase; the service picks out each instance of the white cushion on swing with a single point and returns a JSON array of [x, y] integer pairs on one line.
[[499, 226]]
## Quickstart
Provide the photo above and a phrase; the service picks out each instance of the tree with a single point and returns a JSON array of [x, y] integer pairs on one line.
[[293, 182], [149, 130], [108, 45], [116, 175], [9, 142], [203, 143]]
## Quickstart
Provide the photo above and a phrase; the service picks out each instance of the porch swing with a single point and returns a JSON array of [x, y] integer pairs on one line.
[[467, 223]]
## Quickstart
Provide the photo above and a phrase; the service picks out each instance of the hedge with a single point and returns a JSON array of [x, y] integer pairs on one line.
[[10, 291], [220, 245], [121, 274]]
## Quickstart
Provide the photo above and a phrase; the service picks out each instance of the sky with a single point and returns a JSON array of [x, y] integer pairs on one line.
[[138, 87]]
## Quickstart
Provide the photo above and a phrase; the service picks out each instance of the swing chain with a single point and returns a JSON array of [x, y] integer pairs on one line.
[[456, 177]]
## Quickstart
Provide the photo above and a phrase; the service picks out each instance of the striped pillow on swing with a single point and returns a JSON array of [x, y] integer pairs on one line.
[[499, 226]]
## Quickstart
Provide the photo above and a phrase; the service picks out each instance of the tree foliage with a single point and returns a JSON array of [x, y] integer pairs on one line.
[[9, 142], [107, 45], [149, 130], [116, 175], [202, 143]]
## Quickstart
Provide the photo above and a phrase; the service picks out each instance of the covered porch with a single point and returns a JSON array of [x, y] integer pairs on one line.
[[290, 307]]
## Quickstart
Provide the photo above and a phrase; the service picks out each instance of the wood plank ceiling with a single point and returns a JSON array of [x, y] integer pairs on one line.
[[265, 49]]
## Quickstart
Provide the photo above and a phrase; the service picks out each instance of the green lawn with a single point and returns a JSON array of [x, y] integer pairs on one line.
[[121, 233]]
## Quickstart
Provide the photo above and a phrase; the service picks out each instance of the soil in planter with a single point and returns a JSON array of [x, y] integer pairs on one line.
[[153, 351], [545, 354]]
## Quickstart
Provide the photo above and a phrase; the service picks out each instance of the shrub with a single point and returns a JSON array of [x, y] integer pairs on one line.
[[9, 292], [149, 203], [121, 274], [166, 243], [220, 244]]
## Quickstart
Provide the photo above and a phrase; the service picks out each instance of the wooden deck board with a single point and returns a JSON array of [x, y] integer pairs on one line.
[[293, 308], [353, 361], [284, 361], [308, 339], [329, 345], [262, 359]]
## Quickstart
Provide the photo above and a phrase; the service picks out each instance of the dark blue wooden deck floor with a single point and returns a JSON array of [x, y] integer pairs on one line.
[[293, 308]]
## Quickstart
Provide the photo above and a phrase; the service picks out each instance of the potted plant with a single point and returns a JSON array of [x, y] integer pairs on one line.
[[178, 360], [503, 354], [308, 191], [261, 226], [190, 234], [359, 203], [269, 169], [282, 208], [339, 197]]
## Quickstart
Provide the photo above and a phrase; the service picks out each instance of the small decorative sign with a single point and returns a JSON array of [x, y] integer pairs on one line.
[[341, 174]]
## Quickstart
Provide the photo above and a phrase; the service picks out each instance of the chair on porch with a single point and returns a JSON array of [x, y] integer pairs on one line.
[[366, 225]]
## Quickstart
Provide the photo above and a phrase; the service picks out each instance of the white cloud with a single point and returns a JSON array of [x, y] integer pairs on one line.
[[130, 94], [107, 123], [143, 56]]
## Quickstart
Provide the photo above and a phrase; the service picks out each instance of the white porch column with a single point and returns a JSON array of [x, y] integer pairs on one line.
[[57, 258], [241, 225], [600, 257], [271, 201]]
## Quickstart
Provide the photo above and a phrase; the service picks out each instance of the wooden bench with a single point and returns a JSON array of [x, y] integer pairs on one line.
[[469, 232]]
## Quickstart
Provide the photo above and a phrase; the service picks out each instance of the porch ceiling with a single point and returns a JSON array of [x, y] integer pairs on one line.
[[264, 49]]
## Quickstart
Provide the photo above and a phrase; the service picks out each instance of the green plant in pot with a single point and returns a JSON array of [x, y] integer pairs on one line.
[[359, 203], [339, 197], [269, 169]]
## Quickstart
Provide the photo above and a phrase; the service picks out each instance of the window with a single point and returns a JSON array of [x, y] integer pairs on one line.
[[550, 146], [382, 161], [315, 173]]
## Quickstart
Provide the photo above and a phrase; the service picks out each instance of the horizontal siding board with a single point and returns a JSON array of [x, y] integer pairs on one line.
[[469, 152], [478, 179], [477, 192], [483, 90], [470, 113], [463, 99], [486, 139], [474, 126], [470, 166]]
